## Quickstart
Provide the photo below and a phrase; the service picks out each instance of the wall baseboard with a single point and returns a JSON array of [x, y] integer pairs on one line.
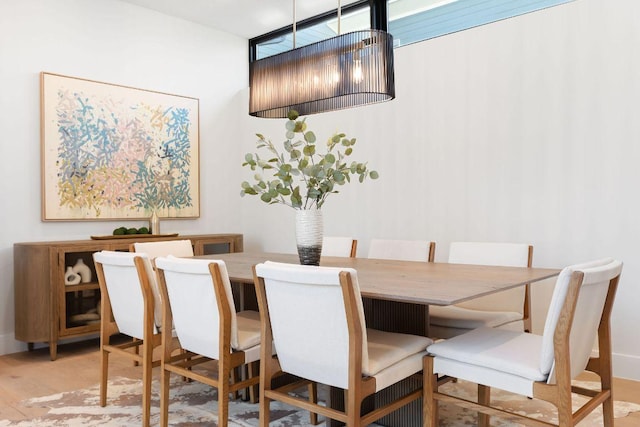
[[626, 366], [8, 344]]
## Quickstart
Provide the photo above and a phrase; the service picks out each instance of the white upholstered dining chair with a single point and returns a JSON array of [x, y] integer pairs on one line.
[[127, 306], [537, 366], [339, 246], [178, 248], [313, 316], [508, 309], [199, 303], [402, 250]]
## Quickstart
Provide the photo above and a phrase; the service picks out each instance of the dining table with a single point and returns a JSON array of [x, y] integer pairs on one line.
[[396, 297]]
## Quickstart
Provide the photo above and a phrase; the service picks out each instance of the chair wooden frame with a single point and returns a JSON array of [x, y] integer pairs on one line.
[[182, 363], [526, 307], [354, 248], [558, 394], [140, 351], [359, 387]]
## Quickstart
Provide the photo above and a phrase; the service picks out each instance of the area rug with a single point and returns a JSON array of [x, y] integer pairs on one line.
[[194, 404]]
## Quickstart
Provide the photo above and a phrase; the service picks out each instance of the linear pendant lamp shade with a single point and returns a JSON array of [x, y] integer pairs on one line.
[[346, 71]]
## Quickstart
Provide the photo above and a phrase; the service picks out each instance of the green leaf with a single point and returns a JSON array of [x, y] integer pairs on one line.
[[305, 176], [310, 137], [265, 197], [299, 126], [293, 114], [330, 158], [296, 199]]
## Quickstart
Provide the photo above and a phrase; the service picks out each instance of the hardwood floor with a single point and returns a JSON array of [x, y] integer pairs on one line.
[[32, 374]]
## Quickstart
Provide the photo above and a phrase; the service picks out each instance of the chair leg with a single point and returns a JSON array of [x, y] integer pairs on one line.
[[565, 411], [607, 412], [313, 398], [147, 377], [352, 408], [165, 377], [136, 351], [263, 404], [484, 398], [254, 371], [234, 379], [104, 366], [430, 385], [224, 378]]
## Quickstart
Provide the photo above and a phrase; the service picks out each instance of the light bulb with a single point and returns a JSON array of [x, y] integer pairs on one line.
[[357, 71]]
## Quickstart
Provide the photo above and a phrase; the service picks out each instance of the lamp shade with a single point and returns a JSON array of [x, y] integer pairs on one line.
[[341, 72]]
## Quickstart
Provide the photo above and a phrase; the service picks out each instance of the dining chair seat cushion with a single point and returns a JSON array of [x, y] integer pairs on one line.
[[248, 329], [498, 350], [393, 356], [466, 318]]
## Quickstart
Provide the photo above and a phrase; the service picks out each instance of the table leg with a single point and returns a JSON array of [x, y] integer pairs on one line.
[[391, 316]]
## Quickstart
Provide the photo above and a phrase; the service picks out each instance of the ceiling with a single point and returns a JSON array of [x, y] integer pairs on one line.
[[244, 18]]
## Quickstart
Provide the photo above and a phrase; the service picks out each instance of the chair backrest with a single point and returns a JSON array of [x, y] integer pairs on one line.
[[402, 250], [595, 284], [199, 294], [311, 315], [128, 284], [491, 253], [339, 246], [178, 248]]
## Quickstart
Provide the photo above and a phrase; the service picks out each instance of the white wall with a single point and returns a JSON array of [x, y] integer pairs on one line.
[[522, 130], [115, 42]]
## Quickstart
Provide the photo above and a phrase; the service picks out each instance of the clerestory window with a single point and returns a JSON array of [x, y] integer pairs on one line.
[[409, 21]]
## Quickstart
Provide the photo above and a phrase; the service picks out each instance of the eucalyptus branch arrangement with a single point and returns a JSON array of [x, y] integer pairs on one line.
[[302, 177]]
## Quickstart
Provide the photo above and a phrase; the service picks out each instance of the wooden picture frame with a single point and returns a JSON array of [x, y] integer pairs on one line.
[[113, 152]]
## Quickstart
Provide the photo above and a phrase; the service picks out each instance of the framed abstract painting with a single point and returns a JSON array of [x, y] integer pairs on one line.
[[116, 152]]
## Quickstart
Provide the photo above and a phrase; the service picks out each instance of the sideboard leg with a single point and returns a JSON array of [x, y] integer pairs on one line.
[[53, 350], [30, 346]]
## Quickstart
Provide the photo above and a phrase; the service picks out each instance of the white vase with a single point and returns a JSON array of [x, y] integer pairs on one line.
[[154, 223], [71, 277], [83, 270], [309, 236]]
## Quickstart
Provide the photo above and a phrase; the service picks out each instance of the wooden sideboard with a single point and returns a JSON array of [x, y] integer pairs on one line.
[[48, 310]]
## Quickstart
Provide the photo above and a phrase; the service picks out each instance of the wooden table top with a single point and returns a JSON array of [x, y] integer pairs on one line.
[[404, 281]]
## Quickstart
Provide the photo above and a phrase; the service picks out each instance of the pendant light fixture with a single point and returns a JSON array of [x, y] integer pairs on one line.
[[345, 71]]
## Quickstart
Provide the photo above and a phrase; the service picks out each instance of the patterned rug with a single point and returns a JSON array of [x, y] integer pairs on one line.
[[194, 404]]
